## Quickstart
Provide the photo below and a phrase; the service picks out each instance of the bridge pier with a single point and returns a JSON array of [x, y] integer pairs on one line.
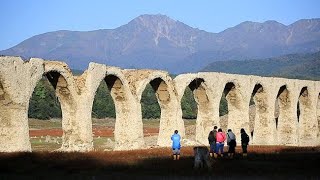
[[293, 126], [264, 125], [17, 81]]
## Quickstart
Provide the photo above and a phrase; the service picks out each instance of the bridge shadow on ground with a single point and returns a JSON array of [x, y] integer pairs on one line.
[[157, 164]]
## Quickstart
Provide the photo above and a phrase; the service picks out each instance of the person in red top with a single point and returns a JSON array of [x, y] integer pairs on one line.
[[221, 137]]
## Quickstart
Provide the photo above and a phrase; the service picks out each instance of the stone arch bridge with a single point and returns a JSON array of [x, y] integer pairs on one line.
[[18, 79]]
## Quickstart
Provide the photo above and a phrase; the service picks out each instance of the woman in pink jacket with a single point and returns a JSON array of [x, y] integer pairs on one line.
[[221, 137]]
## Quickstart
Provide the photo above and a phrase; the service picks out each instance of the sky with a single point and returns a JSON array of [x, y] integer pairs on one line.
[[22, 19]]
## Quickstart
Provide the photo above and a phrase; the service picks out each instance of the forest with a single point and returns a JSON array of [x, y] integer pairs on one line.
[[45, 105]]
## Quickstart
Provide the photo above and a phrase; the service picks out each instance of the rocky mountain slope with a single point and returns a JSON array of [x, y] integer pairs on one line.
[[157, 41]]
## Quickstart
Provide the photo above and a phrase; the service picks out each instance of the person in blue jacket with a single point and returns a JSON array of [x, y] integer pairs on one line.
[[176, 145]]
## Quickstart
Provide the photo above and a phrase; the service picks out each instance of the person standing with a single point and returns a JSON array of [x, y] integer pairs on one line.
[[221, 137], [231, 142], [244, 142], [212, 141], [176, 145]]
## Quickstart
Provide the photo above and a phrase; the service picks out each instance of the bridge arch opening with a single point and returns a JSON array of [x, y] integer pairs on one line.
[[195, 109], [231, 104], [304, 116], [303, 105], [151, 111], [104, 113], [49, 101], [155, 106], [223, 111], [2, 93]]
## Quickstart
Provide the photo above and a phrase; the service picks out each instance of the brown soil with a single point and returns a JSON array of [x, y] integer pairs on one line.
[[97, 131], [276, 162]]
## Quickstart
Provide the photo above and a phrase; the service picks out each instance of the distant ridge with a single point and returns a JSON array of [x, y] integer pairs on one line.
[[299, 66], [159, 42]]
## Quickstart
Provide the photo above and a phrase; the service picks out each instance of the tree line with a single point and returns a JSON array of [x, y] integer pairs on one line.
[[45, 105]]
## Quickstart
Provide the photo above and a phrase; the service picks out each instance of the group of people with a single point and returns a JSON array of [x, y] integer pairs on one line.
[[216, 140]]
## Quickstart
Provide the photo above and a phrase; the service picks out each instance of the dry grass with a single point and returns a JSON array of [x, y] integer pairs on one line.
[[102, 132]]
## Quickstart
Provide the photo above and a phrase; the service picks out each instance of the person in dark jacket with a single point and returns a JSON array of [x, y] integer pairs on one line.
[[244, 142], [231, 141], [176, 145], [212, 141]]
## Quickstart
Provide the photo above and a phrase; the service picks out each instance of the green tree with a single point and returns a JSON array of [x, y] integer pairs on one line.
[[103, 105], [188, 105], [149, 104], [223, 107], [44, 104]]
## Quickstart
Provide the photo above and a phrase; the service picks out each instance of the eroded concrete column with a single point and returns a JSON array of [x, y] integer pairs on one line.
[[204, 123], [77, 132], [17, 81], [318, 117], [167, 99], [238, 97], [264, 124], [204, 87], [308, 124], [208, 111], [128, 131], [287, 121]]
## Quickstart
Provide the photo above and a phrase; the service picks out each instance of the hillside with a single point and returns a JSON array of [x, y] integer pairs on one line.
[[159, 42], [301, 66]]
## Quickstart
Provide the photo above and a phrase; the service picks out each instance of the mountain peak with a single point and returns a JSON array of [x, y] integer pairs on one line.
[[157, 41], [273, 22], [162, 26], [154, 22]]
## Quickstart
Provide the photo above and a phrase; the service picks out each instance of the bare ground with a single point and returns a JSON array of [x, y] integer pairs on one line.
[[263, 162]]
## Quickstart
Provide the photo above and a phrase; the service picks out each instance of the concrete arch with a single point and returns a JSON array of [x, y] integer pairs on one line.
[[18, 80], [307, 124], [125, 106], [166, 99], [287, 121], [207, 115], [161, 82], [204, 122], [264, 123], [62, 79], [238, 108], [259, 97], [119, 92]]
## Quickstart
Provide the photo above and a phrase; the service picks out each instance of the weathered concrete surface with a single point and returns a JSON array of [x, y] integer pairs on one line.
[[162, 84], [17, 81], [277, 102], [77, 132], [128, 131], [318, 116]]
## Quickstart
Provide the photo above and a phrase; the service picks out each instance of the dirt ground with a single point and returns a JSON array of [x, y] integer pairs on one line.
[[263, 162], [45, 135]]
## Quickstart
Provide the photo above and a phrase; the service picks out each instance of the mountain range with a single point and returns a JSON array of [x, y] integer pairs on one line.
[[297, 66], [159, 42]]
